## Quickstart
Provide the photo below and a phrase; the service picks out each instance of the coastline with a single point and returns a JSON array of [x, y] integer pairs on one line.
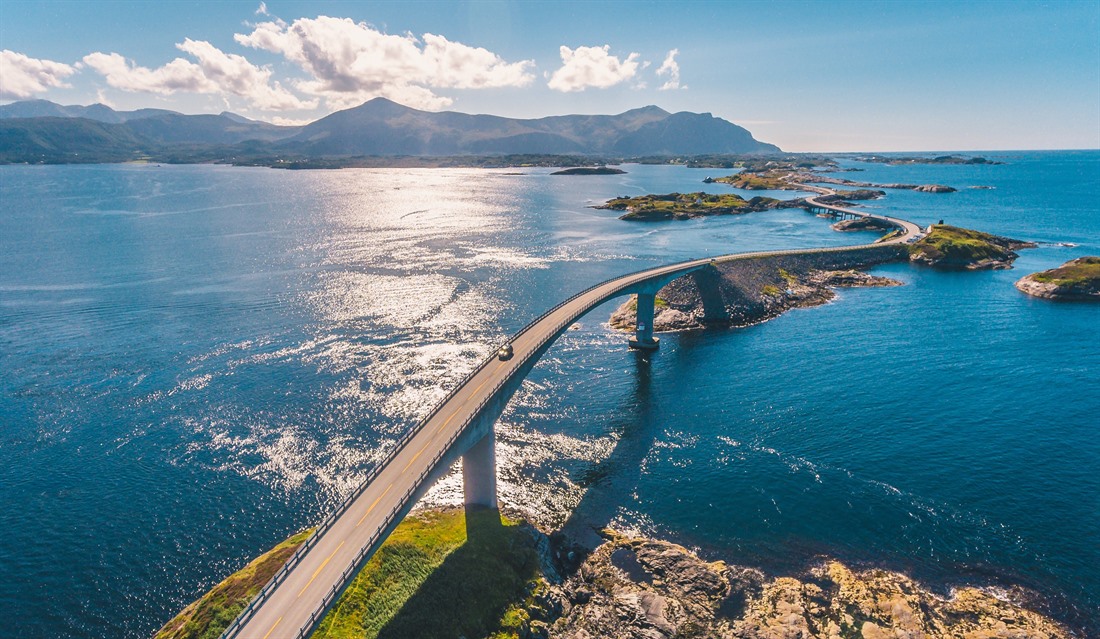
[[550, 587]]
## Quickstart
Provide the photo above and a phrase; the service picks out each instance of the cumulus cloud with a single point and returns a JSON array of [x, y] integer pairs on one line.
[[22, 76], [351, 62], [671, 68], [215, 72], [586, 67], [234, 74]]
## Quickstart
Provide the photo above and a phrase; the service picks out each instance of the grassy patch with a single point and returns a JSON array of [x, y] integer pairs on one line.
[[432, 580], [766, 181], [685, 205], [954, 245], [1078, 272], [771, 291], [207, 617]]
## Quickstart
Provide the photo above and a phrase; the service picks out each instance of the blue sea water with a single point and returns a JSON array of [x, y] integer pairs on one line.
[[199, 360]]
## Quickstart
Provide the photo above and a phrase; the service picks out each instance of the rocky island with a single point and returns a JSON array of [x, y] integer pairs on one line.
[[684, 206], [951, 247], [1077, 279], [940, 159], [793, 177], [590, 170]]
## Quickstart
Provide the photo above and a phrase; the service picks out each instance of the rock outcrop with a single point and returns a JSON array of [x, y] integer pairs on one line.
[[747, 292], [1077, 280], [951, 247], [863, 224], [636, 587], [825, 179], [685, 206]]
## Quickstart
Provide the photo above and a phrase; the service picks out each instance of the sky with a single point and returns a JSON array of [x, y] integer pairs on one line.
[[807, 76]]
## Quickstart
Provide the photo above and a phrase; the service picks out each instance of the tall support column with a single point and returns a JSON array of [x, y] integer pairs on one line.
[[643, 337], [479, 473]]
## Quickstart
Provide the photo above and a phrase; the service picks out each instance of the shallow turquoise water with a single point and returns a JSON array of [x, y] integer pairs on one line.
[[199, 360]]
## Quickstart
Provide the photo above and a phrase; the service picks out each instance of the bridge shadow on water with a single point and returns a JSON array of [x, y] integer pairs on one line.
[[613, 480]]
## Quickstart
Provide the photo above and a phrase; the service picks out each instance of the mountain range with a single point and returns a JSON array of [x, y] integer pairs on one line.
[[42, 131]]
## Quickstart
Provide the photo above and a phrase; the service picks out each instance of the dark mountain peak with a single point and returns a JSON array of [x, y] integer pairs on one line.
[[651, 110], [240, 119], [384, 106]]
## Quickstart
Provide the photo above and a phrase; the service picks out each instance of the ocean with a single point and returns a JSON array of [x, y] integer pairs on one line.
[[198, 361]]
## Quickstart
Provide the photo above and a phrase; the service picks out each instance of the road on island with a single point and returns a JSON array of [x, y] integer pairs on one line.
[[293, 603]]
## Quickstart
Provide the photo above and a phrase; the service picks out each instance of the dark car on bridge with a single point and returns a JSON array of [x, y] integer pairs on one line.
[[505, 353]]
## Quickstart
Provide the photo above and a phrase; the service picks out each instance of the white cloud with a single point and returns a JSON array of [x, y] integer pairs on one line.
[[281, 121], [585, 67], [262, 9], [671, 68], [216, 72], [22, 76], [177, 75], [351, 62], [235, 74]]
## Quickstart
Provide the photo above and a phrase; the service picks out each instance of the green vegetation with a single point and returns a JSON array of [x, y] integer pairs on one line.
[[212, 613], [952, 246], [438, 575], [658, 302], [770, 291], [1079, 272], [442, 575], [682, 206], [771, 180]]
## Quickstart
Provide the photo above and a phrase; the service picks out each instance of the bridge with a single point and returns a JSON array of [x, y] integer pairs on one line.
[[293, 603]]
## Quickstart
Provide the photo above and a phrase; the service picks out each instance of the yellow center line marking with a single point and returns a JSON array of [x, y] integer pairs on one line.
[[273, 628], [416, 455], [319, 569], [440, 429], [373, 505]]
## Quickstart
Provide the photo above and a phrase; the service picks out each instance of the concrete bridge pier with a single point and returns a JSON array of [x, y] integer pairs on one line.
[[479, 473], [643, 337]]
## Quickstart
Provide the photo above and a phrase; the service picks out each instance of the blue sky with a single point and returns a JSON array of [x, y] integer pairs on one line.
[[808, 76]]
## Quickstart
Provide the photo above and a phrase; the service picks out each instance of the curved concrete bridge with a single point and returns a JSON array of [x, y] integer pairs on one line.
[[294, 601]]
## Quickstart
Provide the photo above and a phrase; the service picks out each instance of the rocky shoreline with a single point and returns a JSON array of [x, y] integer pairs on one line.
[[1076, 280], [747, 292], [646, 588], [552, 586], [952, 247]]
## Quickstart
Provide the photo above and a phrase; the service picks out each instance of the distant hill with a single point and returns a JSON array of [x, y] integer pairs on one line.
[[42, 131], [383, 127], [97, 112]]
